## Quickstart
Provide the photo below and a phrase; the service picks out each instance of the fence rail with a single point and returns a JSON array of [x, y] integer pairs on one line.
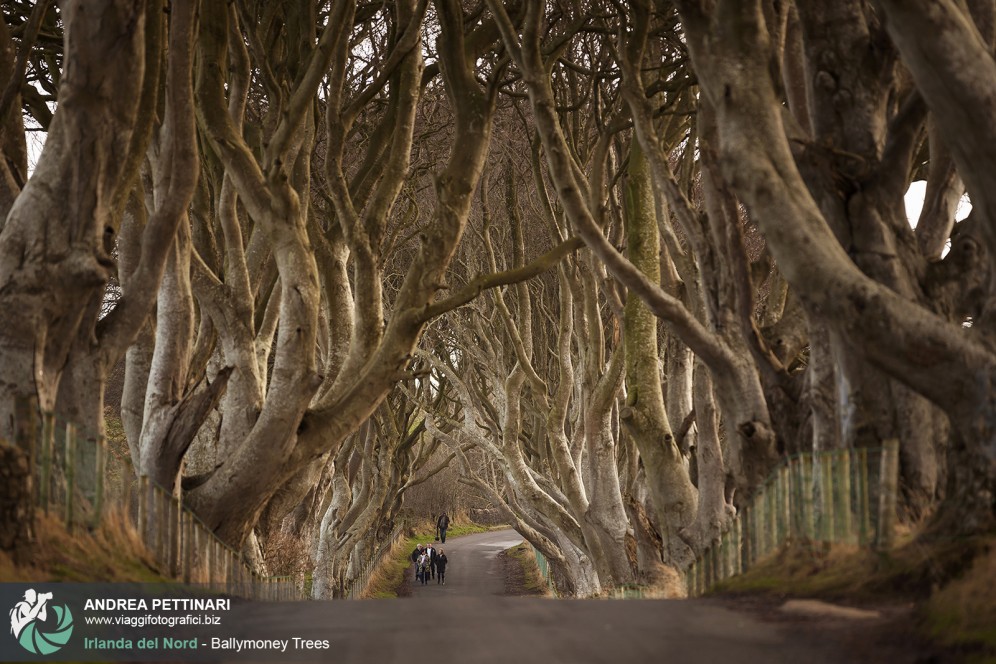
[[840, 496], [78, 479]]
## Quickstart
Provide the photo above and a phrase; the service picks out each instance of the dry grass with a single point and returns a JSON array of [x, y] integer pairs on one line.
[[950, 583], [909, 572], [111, 553], [668, 584], [389, 575], [532, 579], [963, 613], [287, 555]]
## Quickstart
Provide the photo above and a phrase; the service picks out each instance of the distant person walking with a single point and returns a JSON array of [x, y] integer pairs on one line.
[[442, 523], [441, 567]]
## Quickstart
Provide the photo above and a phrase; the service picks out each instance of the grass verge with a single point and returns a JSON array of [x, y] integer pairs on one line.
[[949, 583], [522, 574], [962, 614], [110, 553]]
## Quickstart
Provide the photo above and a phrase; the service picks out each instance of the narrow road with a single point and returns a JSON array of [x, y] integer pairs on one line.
[[466, 622], [472, 568]]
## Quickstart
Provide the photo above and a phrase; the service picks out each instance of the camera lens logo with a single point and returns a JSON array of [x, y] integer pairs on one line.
[[31, 627]]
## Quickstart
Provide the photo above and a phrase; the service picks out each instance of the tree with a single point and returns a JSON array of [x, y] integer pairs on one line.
[[919, 341], [61, 225]]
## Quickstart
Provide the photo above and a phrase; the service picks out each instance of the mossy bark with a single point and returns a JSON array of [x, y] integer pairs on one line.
[[673, 496]]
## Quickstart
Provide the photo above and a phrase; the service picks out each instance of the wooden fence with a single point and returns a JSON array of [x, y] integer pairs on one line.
[[77, 478], [841, 496]]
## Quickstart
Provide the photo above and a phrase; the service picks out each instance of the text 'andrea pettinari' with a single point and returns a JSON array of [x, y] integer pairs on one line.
[[158, 604]]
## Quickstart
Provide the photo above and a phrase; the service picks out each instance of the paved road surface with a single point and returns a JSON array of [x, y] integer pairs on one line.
[[472, 569], [465, 622]]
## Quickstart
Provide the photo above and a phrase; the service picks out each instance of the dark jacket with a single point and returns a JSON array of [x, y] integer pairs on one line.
[[441, 563], [415, 554], [443, 521], [432, 555]]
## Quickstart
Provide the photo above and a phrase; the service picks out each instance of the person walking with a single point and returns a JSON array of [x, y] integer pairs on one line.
[[441, 567], [423, 565], [431, 552], [442, 523], [416, 553]]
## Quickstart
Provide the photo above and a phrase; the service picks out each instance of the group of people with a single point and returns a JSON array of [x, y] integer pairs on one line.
[[430, 563]]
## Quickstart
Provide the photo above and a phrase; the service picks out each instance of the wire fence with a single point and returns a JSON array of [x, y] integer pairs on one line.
[[354, 588], [544, 568], [841, 496], [79, 479]]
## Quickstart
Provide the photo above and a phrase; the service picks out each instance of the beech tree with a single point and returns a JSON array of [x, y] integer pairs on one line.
[[61, 224], [895, 307], [541, 412]]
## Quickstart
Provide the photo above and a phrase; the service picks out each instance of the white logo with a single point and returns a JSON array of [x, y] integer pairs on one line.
[[30, 611]]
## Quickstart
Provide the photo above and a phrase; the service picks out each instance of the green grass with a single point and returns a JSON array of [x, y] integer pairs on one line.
[[466, 529]]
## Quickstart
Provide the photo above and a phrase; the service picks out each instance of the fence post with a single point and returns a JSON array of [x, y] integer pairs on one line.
[[26, 433], [767, 507], [864, 506], [826, 495], [209, 560], [844, 507], [887, 496], [225, 571], [738, 544], [143, 509], [101, 468], [799, 505], [70, 473], [705, 581], [727, 571], [776, 512], [47, 447], [176, 542], [747, 549], [17, 494], [807, 473], [187, 524]]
